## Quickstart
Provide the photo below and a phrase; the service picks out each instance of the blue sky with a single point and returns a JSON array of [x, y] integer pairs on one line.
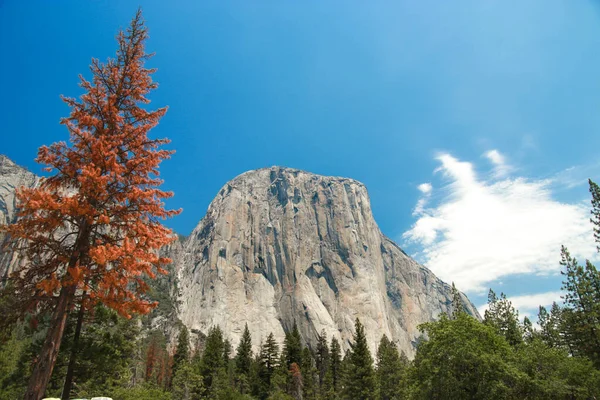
[[492, 105]]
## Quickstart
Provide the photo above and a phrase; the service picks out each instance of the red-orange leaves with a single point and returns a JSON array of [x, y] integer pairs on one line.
[[94, 223]]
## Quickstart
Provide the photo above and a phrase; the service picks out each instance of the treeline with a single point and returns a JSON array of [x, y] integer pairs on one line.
[[459, 357]]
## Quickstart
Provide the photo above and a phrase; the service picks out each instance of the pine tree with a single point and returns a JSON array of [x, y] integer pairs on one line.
[[335, 366], [359, 379], [322, 358], [309, 374], [93, 227], [457, 303], [528, 331], [266, 364], [292, 347], [243, 361], [182, 351], [187, 383], [212, 358], [595, 191], [582, 306], [389, 370], [503, 317], [551, 326]]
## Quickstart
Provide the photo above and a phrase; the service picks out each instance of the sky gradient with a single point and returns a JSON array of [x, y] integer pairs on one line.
[[445, 112]]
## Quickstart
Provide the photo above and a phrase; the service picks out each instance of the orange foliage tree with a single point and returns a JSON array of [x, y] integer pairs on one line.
[[92, 231]]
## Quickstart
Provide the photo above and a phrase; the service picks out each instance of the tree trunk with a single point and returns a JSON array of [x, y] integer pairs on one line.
[[42, 370], [66, 393]]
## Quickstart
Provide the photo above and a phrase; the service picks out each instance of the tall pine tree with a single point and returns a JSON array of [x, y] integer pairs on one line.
[[243, 361], [595, 191], [322, 358], [292, 347], [502, 316], [93, 228], [182, 351], [359, 378], [582, 306], [389, 370], [332, 383]]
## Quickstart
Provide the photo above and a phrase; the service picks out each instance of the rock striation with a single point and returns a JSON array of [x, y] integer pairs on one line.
[[12, 177], [280, 246]]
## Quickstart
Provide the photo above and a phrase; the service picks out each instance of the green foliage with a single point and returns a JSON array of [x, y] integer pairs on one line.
[[292, 347], [457, 303], [310, 375], [243, 361], [213, 359], [551, 326], [11, 353], [581, 316], [322, 359], [463, 359], [502, 316], [553, 374], [595, 191], [335, 368], [390, 370], [188, 384], [359, 375], [182, 351], [264, 366]]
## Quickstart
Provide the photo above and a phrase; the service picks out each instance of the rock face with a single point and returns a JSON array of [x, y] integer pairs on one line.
[[279, 246], [12, 177]]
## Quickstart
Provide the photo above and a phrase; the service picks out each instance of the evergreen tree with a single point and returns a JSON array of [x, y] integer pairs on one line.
[[92, 230], [182, 351], [582, 306], [292, 347], [309, 374], [212, 359], [281, 381], [243, 361], [267, 363], [457, 303], [389, 370], [322, 358], [502, 316], [335, 367], [528, 331], [187, 383], [359, 379], [551, 326], [595, 191], [227, 349]]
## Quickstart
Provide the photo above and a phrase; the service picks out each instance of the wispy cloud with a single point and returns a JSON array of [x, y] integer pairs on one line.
[[501, 168], [425, 189], [528, 304], [482, 230]]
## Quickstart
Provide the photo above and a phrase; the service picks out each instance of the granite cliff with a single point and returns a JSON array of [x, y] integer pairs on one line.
[[280, 246], [12, 177]]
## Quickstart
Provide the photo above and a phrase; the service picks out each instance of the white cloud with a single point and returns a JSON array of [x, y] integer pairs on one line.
[[479, 231], [425, 188], [528, 304], [501, 168]]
